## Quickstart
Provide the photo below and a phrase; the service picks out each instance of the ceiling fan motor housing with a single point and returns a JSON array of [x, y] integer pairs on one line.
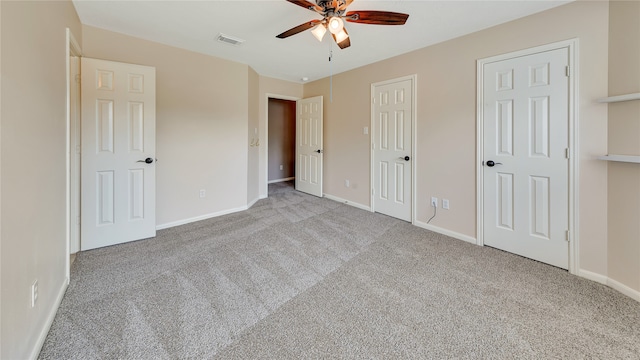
[[332, 8]]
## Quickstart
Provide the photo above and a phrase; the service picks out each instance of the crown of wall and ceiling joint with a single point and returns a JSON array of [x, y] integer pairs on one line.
[[229, 39]]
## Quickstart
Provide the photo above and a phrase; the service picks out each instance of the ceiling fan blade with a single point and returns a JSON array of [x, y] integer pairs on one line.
[[376, 17], [307, 5], [345, 43], [300, 28]]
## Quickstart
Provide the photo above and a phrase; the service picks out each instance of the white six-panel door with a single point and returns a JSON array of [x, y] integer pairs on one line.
[[392, 144], [118, 135], [309, 146], [526, 136]]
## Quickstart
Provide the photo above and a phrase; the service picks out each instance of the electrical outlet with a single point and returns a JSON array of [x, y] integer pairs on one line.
[[281, 167], [203, 193], [445, 204], [347, 183], [434, 201], [34, 293]]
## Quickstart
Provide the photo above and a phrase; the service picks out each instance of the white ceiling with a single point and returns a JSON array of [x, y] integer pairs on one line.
[[194, 25]]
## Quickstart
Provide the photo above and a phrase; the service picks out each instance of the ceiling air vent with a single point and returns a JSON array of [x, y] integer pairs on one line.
[[229, 40]]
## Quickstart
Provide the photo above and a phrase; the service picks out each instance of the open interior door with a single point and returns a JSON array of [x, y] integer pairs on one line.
[[118, 153], [309, 154]]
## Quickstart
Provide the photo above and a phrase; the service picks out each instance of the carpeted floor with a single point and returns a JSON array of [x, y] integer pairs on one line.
[[300, 277]]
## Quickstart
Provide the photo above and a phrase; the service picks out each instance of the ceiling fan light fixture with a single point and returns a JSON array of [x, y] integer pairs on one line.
[[341, 36], [335, 25], [319, 31], [334, 13]]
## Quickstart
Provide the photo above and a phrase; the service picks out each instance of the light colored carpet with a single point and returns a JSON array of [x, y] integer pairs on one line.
[[303, 277]]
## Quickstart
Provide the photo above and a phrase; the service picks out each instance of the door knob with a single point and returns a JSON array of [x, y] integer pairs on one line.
[[492, 163], [406, 158], [319, 151], [147, 160]]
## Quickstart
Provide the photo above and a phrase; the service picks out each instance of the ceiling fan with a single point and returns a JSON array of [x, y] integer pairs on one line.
[[333, 12]]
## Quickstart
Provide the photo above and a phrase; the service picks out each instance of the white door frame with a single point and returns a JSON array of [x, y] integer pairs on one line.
[[72, 49], [372, 132], [572, 46], [266, 137]]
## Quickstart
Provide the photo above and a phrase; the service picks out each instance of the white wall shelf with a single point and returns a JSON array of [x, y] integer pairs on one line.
[[621, 158], [626, 97]]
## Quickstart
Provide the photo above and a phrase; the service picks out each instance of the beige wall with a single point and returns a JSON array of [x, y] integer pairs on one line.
[[446, 119], [253, 163], [1, 270], [270, 87], [33, 148], [624, 139], [282, 138], [1, 300], [201, 124], [346, 148], [208, 108]]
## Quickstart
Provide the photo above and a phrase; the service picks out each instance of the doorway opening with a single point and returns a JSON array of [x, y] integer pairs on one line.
[[281, 143]]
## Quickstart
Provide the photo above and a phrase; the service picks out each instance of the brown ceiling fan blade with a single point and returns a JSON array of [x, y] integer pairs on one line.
[[345, 43], [300, 28], [307, 5], [376, 17]]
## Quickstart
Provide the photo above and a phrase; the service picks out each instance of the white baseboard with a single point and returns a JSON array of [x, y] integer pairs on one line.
[[347, 202], [243, 208], [605, 280], [634, 294], [201, 217], [442, 231], [253, 202], [49, 321], [280, 180], [589, 275]]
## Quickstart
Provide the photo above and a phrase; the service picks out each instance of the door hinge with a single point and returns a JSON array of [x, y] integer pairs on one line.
[[568, 71], [78, 78], [568, 236], [373, 191], [373, 100], [567, 153], [373, 146]]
